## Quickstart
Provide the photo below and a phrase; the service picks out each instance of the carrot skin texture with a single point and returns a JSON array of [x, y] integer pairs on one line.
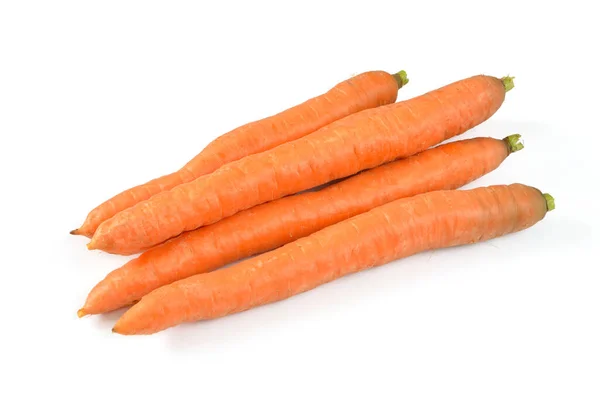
[[268, 226], [395, 230], [360, 141], [363, 91]]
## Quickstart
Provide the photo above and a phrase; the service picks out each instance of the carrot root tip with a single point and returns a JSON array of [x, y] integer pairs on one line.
[[74, 232], [514, 143], [401, 78], [550, 205], [81, 313], [508, 83]]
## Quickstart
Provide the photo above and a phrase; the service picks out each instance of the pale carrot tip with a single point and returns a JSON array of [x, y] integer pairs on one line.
[[550, 205], [81, 313], [508, 82], [514, 143], [401, 78], [90, 246]]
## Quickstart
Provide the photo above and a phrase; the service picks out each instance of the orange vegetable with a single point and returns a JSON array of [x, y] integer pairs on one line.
[[276, 223], [364, 91], [360, 141], [398, 229]]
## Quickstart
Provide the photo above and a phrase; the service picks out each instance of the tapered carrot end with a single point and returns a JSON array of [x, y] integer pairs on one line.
[[508, 83], [549, 202], [117, 330], [401, 78], [81, 313], [91, 245], [513, 142], [83, 230]]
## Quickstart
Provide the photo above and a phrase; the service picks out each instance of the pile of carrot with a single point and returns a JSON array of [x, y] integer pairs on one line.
[[387, 189]]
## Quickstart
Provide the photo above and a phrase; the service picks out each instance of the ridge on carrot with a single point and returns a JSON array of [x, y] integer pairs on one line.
[[357, 142], [268, 226], [433, 220], [363, 91]]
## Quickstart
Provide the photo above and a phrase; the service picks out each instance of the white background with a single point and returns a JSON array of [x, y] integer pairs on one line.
[[98, 96]]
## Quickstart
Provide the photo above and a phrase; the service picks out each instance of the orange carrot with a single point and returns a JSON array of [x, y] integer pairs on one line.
[[364, 91], [276, 223], [395, 230], [360, 141]]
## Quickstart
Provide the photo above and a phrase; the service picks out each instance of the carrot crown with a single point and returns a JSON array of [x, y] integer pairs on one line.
[[401, 78], [508, 82], [549, 202], [514, 143]]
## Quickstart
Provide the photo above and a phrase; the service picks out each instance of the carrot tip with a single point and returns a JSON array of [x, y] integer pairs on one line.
[[90, 246], [508, 83], [401, 78], [74, 232], [81, 313], [514, 143], [549, 202]]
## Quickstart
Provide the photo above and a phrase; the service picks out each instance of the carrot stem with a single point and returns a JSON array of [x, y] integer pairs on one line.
[[401, 78], [508, 82], [549, 202], [514, 143]]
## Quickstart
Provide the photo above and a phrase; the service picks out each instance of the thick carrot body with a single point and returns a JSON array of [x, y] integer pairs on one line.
[[395, 230], [360, 141], [363, 91], [270, 225]]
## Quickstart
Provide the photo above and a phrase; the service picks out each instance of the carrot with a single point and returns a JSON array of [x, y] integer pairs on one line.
[[276, 223], [395, 230], [360, 141], [363, 91]]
